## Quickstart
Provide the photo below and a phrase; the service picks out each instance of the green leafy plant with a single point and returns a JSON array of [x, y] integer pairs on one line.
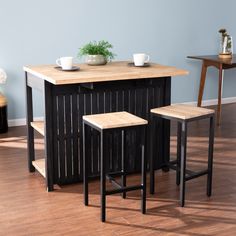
[[97, 48]]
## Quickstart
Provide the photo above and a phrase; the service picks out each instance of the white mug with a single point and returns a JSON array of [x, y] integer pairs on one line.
[[65, 62], [140, 59]]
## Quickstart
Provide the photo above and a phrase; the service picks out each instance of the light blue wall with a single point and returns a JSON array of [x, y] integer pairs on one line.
[[38, 32]]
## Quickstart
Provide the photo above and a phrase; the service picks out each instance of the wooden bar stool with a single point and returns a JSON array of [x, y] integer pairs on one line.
[[105, 124], [3, 114], [184, 114]]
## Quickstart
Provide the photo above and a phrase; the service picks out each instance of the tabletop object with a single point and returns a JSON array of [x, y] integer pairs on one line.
[[221, 64]]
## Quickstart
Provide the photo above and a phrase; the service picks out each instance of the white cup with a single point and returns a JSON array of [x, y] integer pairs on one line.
[[140, 59], [65, 63]]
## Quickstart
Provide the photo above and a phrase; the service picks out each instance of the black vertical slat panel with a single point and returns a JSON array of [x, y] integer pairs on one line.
[[113, 149], [113, 95], [161, 129], [150, 105], [30, 130], [125, 98], [68, 112], [138, 134], [127, 106], [101, 103], [145, 112], [61, 137], [132, 135], [81, 97], [119, 134], [132, 101], [89, 154], [108, 139], [109, 152], [56, 161], [166, 127], [115, 144], [120, 106], [75, 132], [95, 134], [101, 109], [107, 101], [158, 144]]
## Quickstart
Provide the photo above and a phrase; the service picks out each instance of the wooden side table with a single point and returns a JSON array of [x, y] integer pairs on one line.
[[221, 65]]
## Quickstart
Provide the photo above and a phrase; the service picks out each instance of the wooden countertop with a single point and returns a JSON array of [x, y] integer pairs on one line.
[[118, 70]]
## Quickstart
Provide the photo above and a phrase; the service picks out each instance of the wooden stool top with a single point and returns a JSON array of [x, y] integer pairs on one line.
[[3, 100], [114, 120], [182, 112]]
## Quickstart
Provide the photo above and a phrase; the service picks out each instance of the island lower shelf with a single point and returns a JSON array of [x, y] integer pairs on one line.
[[40, 166], [39, 126]]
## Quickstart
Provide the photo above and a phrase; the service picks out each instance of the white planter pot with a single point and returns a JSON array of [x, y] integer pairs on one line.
[[95, 60]]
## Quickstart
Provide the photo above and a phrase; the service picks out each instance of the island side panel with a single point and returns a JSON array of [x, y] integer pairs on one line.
[[29, 119], [48, 139]]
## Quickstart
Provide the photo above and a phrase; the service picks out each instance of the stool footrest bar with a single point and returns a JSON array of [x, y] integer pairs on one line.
[[113, 182], [196, 174], [173, 162], [124, 189], [116, 174]]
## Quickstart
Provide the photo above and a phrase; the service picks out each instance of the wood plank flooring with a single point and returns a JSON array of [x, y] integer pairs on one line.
[[27, 209]]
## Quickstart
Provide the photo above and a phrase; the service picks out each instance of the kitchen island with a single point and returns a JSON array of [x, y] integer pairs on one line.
[[68, 96]]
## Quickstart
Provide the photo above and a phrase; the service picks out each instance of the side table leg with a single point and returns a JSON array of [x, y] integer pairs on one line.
[[220, 89], [202, 84]]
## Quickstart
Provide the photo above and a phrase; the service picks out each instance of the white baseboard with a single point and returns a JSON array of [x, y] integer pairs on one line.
[[20, 122], [211, 102]]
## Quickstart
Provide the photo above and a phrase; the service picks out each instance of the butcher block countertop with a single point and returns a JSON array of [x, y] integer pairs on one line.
[[113, 71]]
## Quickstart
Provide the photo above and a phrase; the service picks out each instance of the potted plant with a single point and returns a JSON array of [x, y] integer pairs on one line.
[[97, 53], [226, 45]]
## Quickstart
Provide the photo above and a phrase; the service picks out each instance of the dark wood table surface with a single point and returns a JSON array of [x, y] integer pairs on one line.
[[221, 64]]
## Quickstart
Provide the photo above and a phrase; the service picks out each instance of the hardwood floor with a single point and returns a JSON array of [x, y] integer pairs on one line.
[[27, 209]]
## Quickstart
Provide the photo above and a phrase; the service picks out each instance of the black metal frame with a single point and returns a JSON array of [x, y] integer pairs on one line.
[[3, 119], [118, 187], [182, 174], [66, 104]]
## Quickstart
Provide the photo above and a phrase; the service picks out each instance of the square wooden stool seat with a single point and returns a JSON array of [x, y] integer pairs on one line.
[[114, 120], [106, 124], [184, 114]]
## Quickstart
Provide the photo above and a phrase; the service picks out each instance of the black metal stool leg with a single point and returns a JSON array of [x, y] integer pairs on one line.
[[103, 180], [151, 165], [178, 153], [85, 169], [210, 155], [183, 162], [123, 151], [144, 169]]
